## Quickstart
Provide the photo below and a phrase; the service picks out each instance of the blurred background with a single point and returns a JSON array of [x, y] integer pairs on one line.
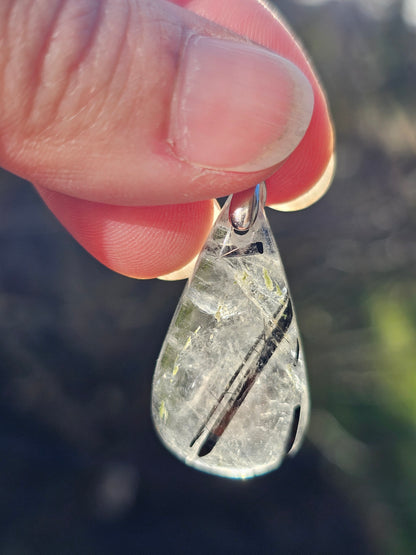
[[81, 469]]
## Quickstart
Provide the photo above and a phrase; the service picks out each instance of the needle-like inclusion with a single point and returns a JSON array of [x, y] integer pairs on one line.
[[230, 394]]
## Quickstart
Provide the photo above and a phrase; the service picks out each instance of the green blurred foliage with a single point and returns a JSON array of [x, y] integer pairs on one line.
[[359, 320]]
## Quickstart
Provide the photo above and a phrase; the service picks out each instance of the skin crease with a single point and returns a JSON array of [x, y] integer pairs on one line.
[[93, 141]]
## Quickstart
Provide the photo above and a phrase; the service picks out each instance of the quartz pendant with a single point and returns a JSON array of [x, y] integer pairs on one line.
[[230, 394]]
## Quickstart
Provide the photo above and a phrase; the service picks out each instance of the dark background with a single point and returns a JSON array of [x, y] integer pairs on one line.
[[81, 469]]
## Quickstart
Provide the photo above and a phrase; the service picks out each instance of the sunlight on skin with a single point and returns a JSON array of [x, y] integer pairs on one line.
[[186, 271], [316, 192], [102, 159]]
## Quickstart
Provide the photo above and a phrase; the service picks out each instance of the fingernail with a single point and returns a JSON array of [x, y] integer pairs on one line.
[[237, 106], [311, 196]]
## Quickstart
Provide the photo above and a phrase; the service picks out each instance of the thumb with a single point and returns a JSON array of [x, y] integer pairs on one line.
[[131, 102]]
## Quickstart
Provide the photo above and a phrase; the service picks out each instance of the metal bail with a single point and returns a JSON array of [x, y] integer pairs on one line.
[[245, 206]]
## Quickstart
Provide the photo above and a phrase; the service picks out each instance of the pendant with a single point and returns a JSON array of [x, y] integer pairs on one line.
[[230, 394]]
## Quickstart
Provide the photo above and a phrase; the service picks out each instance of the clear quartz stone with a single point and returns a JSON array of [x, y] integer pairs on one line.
[[230, 394]]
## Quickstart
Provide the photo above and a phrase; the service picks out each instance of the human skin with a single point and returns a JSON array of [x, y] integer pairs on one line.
[[131, 116]]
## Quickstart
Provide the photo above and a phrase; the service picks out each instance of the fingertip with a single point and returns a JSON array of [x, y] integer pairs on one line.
[[312, 195], [182, 273], [186, 271]]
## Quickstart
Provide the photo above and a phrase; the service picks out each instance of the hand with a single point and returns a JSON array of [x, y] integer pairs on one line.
[[129, 116]]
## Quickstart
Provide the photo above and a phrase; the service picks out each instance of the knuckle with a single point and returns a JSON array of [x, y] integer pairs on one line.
[[60, 60]]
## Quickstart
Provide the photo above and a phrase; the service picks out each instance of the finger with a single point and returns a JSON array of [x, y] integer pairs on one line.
[[312, 195], [94, 107], [307, 173], [141, 242]]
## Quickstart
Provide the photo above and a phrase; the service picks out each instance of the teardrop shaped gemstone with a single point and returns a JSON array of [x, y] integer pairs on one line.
[[230, 394]]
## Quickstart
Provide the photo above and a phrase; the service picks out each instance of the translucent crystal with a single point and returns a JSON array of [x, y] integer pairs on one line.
[[230, 394]]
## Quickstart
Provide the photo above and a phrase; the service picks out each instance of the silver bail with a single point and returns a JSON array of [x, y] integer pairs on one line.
[[245, 206]]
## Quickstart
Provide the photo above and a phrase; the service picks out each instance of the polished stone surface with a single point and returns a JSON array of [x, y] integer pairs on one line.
[[230, 394]]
